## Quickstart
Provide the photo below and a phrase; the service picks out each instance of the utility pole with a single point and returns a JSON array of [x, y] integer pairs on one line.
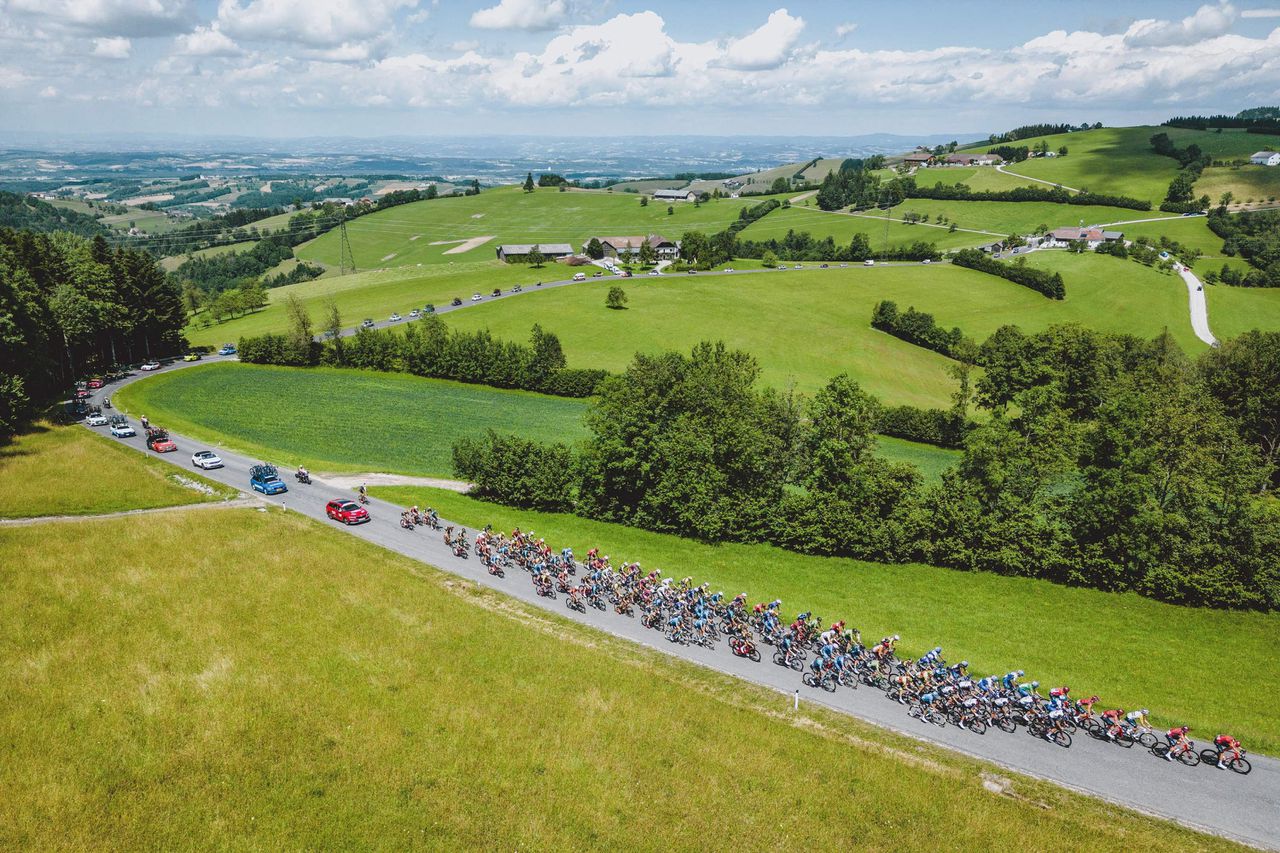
[[346, 260]]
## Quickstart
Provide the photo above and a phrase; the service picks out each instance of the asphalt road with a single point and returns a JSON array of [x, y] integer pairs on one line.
[[1246, 808]]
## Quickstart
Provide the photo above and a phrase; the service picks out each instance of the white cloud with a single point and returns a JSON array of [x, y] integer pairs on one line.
[[108, 17], [112, 48], [1260, 13], [207, 41], [766, 47], [844, 29], [314, 23], [464, 46], [49, 92], [1206, 22], [520, 15]]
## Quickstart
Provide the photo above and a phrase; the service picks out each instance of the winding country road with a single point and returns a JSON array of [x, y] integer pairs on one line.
[[1246, 808], [1002, 170]]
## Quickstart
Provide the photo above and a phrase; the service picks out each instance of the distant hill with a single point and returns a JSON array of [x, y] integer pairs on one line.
[[21, 211]]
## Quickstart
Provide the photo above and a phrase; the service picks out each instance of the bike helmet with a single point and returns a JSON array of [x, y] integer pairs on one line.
[[1145, 712], [896, 637], [1035, 684], [964, 663], [1019, 673]]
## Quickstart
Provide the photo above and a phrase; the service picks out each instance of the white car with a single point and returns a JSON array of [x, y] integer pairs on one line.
[[122, 431], [415, 314], [728, 269], [798, 267], [927, 261], [395, 318], [868, 263], [149, 365], [206, 459], [96, 420], [475, 297], [653, 272]]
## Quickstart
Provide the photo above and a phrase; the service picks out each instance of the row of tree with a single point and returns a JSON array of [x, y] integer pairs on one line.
[[1180, 197], [70, 307], [1046, 283], [1254, 237], [1104, 461], [919, 328]]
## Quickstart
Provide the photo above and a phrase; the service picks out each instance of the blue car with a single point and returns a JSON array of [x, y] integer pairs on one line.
[[227, 349], [265, 479]]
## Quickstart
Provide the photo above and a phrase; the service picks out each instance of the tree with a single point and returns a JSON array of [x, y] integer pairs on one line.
[[670, 210], [528, 182], [644, 201], [780, 185], [333, 331], [535, 258], [432, 191], [1243, 375], [253, 295], [694, 247], [769, 259], [617, 298], [1227, 198], [595, 250], [300, 337], [648, 256]]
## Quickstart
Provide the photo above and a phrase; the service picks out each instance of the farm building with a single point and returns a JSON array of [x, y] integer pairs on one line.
[[616, 247], [674, 195], [918, 158], [974, 160], [1266, 158], [1093, 237], [518, 253]]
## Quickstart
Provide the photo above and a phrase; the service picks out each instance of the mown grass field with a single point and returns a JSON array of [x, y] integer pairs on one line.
[[377, 294], [806, 326], [1235, 310], [1130, 650], [360, 421], [287, 686], [67, 470], [1111, 160], [343, 420], [403, 235], [842, 226], [1256, 183]]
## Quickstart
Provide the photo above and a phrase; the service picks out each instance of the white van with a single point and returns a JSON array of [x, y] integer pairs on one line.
[[579, 276], [868, 263]]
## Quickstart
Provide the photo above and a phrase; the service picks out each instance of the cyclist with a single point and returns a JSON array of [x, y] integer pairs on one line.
[[1177, 738], [1225, 744], [1010, 681], [1029, 690], [1111, 719], [1138, 720]]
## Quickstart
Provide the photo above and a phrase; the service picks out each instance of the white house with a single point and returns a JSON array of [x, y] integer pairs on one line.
[[617, 247], [1266, 158]]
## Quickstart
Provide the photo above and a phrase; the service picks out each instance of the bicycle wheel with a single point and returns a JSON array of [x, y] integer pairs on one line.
[[914, 710], [1159, 750], [1209, 756], [1189, 757], [1125, 740], [1240, 765], [938, 719], [977, 726], [1062, 739], [807, 679], [1147, 739], [1006, 724], [829, 684]]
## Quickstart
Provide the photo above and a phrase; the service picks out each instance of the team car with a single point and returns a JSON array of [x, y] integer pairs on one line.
[[206, 459], [120, 427], [347, 511], [264, 478], [149, 365], [159, 441], [96, 419]]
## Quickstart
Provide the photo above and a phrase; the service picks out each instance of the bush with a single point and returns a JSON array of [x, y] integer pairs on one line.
[[278, 349], [518, 472], [927, 426], [919, 328], [961, 192]]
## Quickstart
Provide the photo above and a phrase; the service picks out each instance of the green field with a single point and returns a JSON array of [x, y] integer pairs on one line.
[[995, 622], [1256, 183], [1235, 310], [286, 686], [377, 294], [68, 470], [343, 420], [407, 424], [172, 262], [403, 235], [842, 226], [807, 326]]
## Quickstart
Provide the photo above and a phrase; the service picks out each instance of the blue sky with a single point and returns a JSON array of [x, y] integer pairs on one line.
[[616, 67]]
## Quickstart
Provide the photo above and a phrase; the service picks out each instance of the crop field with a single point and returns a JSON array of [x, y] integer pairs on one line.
[[806, 326], [1039, 622], [1246, 183], [287, 686], [841, 227], [343, 420], [405, 234], [405, 424], [376, 294], [67, 470]]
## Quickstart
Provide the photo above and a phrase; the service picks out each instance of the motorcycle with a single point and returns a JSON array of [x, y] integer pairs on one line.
[[106, 402], [302, 477]]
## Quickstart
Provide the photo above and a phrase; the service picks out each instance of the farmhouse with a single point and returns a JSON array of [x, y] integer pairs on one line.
[[674, 195], [1266, 158], [918, 158], [340, 201], [518, 253], [617, 247], [974, 160], [1092, 237]]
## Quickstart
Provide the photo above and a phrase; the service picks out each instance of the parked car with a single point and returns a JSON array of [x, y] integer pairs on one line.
[[192, 356], [149, 365], [626, 273], [395, 318], [693, 272], [653, 272], [120, 427], [264, 478], [227, 349], [927, 261], [206, 459], [728, 269], [843, 266], [798, 267], [367, 324], [159, 441], [869, 263], [347, 511], [823, 266], [415, 314], [96, 419]]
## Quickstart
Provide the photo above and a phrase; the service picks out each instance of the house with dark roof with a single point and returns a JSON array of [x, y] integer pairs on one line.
[[518, 253], [918, 158], [674, 195], [629, 247], [1092, 237], [974, 159]]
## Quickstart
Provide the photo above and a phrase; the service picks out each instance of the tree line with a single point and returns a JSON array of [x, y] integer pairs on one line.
[[961, 192], [70, 307], [1046, 283], [1180, 197], [19, 211], [1254, 237], [1104, 461]]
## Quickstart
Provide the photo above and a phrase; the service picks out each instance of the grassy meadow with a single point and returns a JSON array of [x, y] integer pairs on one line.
[[343, 420], [68, 470], [360, 421], [288, 686], [172, 262], [1234, 310], [1039, 623], [404, 235]]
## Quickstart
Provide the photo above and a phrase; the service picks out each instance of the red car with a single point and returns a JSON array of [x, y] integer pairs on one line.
[[95, 384], [347, 511], [159, 441]]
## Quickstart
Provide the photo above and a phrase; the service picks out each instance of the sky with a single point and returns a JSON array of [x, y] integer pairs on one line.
[[282, 68]]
